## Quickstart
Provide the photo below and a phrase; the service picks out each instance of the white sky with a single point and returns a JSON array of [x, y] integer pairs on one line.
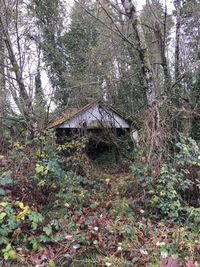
[[140, 3], [169, 3]]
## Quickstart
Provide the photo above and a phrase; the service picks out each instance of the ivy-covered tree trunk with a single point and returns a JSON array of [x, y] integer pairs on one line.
[[2, 74], [177, 4], [2, 85], [130, 10], [157, 24], [40, 112], [48, 14]]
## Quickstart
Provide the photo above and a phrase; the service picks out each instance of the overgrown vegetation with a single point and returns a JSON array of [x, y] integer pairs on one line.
[[53, 216], [95, 197]]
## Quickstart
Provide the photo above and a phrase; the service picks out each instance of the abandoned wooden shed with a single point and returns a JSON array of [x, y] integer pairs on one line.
[[95, 115], [96, 118]]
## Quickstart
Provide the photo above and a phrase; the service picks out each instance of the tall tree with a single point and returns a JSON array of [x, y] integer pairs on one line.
[[157, 24], [2, 83], [20, 95], [40, 105], [49, 17], [177, 4], [78, 45], [131, 13], [177, 66], [111, 63], [187, 40]]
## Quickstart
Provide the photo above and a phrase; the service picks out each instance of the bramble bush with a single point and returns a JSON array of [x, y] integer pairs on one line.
[[21, 227], [48, 171], [173, 192]]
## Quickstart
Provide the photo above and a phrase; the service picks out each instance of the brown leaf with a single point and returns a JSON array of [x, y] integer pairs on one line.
[[35, 258], [63, 223], [21, 252], [49, 253], [16, 232], [198, 247], [169, 262], [190, 263], [40, 257]]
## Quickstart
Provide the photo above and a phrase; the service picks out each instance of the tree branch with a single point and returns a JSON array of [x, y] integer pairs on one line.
[[116, 7], [121, 35]]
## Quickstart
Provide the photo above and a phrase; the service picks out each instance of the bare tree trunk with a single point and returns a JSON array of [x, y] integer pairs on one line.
[[177, 4], [23, 102], [161, 40], [130, 11]]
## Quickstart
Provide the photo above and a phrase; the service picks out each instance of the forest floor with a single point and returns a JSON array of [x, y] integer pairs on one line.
[[97, 220]]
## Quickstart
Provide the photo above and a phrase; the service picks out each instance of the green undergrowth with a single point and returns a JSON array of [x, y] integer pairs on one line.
[[142, 217]]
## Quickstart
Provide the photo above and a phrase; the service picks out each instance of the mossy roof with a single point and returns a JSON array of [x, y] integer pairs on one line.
[[73, 112]]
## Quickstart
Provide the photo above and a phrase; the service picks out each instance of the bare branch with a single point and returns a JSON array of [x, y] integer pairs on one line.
[[116, 7], [118, 33]]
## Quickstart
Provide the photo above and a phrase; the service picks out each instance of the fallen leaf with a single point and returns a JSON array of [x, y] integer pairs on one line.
[[190, 263], [169, 262]]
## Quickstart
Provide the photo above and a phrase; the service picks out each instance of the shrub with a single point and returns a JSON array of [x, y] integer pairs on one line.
[[172, 191], [48, 171]]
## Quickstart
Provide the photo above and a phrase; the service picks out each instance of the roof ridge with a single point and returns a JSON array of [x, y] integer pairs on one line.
[[69, 115], [76, 111]]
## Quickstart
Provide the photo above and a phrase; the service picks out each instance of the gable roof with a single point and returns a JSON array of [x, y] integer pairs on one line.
[[76, 111]]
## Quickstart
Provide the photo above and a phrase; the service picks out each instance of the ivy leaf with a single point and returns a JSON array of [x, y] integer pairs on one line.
[[12, 254], [35, 218], [51, 263], [2, 215], [43, 238], [4, 204], [39, 168], [6, 178], [48, 230], [2, 192]]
